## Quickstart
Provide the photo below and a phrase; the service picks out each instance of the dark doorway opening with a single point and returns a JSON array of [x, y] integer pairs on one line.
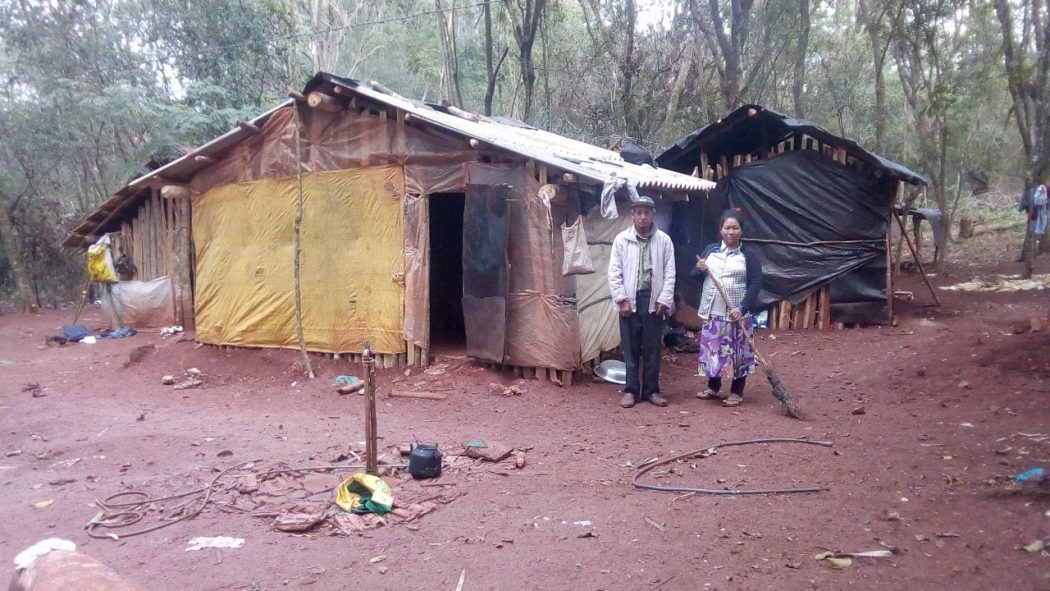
[[446, 272]]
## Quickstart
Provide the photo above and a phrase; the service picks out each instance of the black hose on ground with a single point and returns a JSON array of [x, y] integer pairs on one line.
[[725, 491]]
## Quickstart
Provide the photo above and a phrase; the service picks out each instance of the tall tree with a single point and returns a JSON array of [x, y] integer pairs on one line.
[[1026, 55], [730, 27], [801, 49], [929, 40], [525, 17]]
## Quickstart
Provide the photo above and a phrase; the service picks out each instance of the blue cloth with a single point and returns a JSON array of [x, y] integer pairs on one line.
[[1037, 216], [346, 380], [74, 332], [118, 333]]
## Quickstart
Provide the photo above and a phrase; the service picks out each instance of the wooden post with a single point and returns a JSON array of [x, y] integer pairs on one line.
[[323, 102], [785, 315], [889, 265], [368, 373], [807, 310], [185, 263], [298, 247], [918, 262]]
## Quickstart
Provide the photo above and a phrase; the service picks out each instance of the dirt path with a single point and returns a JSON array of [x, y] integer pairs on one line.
[[921, 416]]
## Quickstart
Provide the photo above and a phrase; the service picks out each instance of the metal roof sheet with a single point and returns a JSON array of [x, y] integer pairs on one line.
[[582, 159]]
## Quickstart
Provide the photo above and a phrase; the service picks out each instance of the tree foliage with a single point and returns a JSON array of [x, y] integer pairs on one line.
[[93, 89]]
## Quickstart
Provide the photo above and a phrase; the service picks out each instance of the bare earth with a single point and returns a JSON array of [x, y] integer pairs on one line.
[[922, 416]]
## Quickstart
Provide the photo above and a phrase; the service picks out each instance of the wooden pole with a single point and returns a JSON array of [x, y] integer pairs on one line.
[[298, 245], [918, 262], [889, 266], [371, 439]]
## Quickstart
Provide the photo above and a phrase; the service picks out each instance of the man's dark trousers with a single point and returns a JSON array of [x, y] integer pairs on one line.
[[640, 335]]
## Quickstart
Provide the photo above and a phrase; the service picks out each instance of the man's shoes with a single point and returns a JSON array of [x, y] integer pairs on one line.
[[627, 400], [658, 400]]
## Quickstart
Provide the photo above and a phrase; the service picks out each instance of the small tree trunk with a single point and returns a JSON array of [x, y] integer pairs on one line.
[[23, 286]]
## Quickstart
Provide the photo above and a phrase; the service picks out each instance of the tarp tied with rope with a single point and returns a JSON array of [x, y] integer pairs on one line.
[[811, 221]]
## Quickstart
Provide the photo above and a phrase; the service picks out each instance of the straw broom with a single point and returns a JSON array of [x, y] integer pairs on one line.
[[791, 408]]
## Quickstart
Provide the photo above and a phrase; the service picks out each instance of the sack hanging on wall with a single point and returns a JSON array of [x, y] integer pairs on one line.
[[577, 259]]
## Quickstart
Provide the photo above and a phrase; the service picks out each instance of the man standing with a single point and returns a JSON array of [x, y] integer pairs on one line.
[[641, 281]]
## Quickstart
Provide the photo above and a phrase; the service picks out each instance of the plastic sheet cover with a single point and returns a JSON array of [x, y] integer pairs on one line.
[[810, 219], [351, 263], [599, 322], [542, 325], [141, 304]]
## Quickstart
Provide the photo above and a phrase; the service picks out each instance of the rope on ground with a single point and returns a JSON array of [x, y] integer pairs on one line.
[[724, 491], [114, 515]]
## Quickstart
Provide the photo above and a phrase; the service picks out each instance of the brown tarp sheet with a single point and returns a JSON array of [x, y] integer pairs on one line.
[[352, 243], [542, 328]]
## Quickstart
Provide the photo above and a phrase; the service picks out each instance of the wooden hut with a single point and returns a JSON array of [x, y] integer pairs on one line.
[[352, 214], [818, 209]]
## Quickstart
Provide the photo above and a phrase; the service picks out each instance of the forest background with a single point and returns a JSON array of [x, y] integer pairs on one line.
[[94, 92]]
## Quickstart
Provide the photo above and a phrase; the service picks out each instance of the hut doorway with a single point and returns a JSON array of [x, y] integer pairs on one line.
[[447, 332]]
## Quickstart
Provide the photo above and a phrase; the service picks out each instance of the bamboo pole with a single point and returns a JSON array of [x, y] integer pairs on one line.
[[918, 261], [371, 439], [889, 265], [298, 244]]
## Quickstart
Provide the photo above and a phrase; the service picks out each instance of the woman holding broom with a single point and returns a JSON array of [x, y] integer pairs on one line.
[[723, 341]]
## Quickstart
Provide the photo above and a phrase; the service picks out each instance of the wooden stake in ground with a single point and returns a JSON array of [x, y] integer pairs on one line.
[[368, 371], [791, 407], [918, 261]]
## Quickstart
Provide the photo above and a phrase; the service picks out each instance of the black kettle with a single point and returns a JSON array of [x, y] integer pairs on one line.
[[424, 461]]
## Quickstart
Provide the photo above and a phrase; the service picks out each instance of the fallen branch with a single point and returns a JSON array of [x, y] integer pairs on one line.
[[418, 394]]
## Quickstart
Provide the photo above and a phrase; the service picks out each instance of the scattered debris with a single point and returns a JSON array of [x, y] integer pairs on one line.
[[838, 560], [419, 395], [512, 390], [887, 515], [436, 370], [1002, 283], [193, 379], [858, 411], [43, 504], [349, 384], [138, 354], [297, 521], [34, 389], [653, 523], [168, 331], [1034, 547], [491, 451], [201, 543]]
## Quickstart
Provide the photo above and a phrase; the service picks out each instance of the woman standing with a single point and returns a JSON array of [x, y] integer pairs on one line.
[[722, 342]]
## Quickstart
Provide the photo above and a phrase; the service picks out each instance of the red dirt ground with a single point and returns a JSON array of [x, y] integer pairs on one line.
[[951, 398]]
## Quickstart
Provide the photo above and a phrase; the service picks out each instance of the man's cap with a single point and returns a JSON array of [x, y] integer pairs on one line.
[[644, 200]]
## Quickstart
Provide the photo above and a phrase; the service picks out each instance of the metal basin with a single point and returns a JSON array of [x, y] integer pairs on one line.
[[612, 370]]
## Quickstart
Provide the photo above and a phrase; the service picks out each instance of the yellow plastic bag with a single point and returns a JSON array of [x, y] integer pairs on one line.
[[364, 493], [100, 262]]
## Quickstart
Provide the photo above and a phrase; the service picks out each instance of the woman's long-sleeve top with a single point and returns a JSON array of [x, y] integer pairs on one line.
[[738, 271]]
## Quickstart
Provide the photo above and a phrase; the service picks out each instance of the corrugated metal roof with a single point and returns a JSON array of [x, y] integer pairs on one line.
[[584, 160], [747, 127], [580, 158]]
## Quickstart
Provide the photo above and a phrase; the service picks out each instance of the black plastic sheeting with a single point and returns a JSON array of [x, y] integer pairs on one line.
[[486, 225], [810, 220], [753, 128]]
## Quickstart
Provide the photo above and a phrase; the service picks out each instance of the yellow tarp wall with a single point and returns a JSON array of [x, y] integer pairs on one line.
[[352, 260]]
